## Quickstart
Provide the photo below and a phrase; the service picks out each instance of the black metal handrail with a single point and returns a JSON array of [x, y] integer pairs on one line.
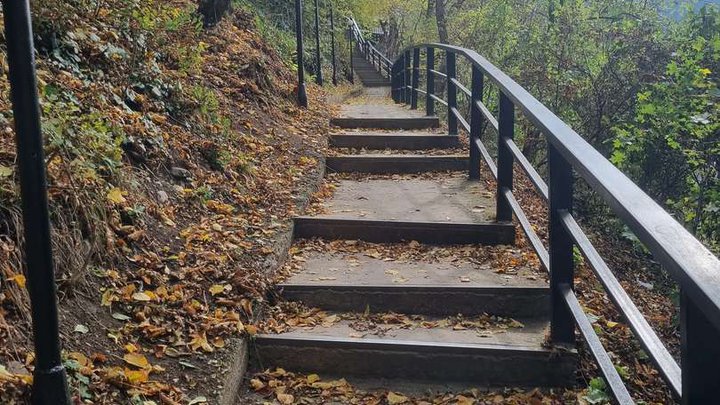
[[376, 58], [690, 263]]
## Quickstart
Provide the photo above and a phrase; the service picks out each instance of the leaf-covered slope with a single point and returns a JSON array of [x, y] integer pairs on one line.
[[175, 156]]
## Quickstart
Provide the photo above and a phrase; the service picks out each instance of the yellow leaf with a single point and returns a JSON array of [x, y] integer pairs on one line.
[[137, 360], [285, 399], [216, 289], [136, 376], [200, 341], [256, 384], [251, 330], [107, 298], [394, 399], [313, 378], [19, 279], [611, 324], [115, 196], [141, 296], [80, 358]]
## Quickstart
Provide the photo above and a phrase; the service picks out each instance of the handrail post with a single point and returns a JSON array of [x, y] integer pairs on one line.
[[429, 101], [476, 121], [49, 377], [451, 92], [394, 82], [408, 79], [302, 91], [351, 77], [401, 79], [506, 131], [415, 79], [562, 326], [700, 355], [332, 38]]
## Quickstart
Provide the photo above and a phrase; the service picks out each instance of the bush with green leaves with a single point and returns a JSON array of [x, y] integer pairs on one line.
[[672, 144]]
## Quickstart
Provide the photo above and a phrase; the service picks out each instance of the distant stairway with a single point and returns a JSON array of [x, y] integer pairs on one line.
[[368, 74]]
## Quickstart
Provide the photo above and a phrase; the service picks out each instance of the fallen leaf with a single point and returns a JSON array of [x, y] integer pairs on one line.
[[19, 279], [285, 398], [137, 360], [81, 329], [115, 196], [5, 171], [216, 289], [394, 398]]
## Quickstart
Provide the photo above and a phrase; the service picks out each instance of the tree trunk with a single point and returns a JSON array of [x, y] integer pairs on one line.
[[441, 18], [213, 11]]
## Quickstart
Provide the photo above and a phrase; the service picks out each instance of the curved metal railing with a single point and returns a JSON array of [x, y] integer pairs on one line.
[[691, 264]]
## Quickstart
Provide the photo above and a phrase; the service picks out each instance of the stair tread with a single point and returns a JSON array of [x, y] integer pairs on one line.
[[382, 111], [358, 269], [408, 134], [528, 335], [449, 198]]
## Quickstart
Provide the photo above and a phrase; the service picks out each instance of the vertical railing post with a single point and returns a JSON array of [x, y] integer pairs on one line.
[[332, 38], [700, 355], [351, 76], [408, 79], [393, 82], [429, 101], [415, 79], [476, 121], [401, 79], [562, 325], [505, 157], [49, 380], [451, 72], [302, 91], [318, 57]]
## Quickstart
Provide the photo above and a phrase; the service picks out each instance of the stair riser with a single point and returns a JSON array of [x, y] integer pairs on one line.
[[392, 165], [440, 301], [496, 366], [436, 233], [376, 84], [407, 142], [386, 123]]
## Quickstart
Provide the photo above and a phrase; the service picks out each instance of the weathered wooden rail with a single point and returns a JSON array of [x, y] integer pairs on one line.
[[692, 265]]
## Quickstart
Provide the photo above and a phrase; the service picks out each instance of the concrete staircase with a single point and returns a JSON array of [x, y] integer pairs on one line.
[[430, 203], [368, 74]]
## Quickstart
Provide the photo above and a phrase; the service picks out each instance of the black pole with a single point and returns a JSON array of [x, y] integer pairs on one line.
[[318, 58], [302, 91], [351, 77], [49, 380], [332, 35]]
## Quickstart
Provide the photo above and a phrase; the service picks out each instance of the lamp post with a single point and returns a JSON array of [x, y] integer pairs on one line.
[[302, 91], [318, 57], [50, 379], [332, 35]]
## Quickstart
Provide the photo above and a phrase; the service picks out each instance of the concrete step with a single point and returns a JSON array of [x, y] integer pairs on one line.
[[510, 356], [376, 84], [386, 122], [437, 233], [446, 210], [394, 140], [357, 283], [390, 164]]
